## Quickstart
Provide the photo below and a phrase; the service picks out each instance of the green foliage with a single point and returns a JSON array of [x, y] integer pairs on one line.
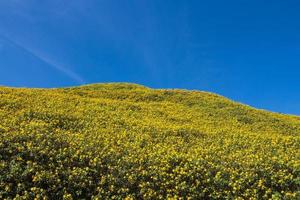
[[125, 141]]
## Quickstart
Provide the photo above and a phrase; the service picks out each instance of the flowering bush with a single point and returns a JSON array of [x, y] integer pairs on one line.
[[124, 141]]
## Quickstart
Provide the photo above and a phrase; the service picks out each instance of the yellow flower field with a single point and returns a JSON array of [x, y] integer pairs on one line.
[[125, 141]]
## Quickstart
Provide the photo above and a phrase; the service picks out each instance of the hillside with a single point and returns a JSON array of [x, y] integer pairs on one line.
[[120, 141]]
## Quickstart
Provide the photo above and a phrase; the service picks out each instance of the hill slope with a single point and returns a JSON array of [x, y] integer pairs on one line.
[[125, 140]]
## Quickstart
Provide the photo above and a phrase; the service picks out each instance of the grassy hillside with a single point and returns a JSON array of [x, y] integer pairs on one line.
[[120, 141]]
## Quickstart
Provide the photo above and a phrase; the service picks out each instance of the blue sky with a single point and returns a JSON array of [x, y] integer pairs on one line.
[[246, 50]]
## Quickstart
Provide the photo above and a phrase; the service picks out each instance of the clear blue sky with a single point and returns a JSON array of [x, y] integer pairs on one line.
[[247, 50]]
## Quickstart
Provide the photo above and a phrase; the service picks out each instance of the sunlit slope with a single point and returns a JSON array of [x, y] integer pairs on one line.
[[126, 140]]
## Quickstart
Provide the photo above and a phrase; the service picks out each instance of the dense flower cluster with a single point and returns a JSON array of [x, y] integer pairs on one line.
[[124, 141]]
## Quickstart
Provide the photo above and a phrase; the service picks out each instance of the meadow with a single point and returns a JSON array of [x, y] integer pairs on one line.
[[126, 141]]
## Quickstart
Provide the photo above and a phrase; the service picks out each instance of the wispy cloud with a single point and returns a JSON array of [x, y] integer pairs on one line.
[[45, 58]]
